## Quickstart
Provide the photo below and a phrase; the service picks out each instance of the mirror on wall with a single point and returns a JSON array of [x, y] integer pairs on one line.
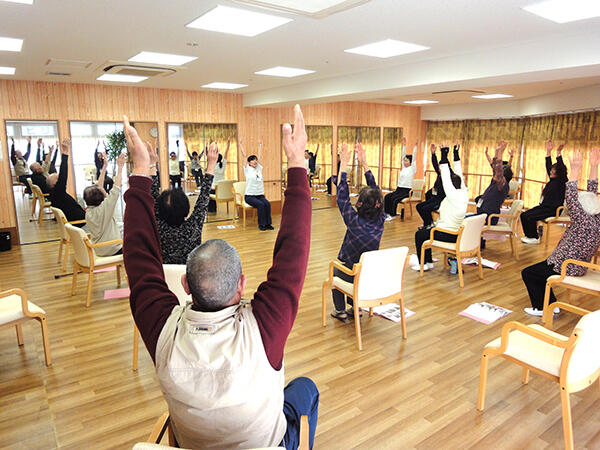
[[186, 140], [34, 141], [392, 157], [369, 137]]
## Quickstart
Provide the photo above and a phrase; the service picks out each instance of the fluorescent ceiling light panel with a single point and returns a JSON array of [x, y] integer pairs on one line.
[[420, 102], [121, 78], [224, 19], [221, 85], [305, 6], [492, 96], [10, 44], [7, 70], [387, 48], [563, 11], [162, 58], [287, 72], [25, 2]]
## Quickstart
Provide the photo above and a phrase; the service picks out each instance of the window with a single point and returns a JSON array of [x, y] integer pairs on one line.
[[47, 131]]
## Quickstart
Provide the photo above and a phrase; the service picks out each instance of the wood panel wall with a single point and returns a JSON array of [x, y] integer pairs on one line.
[[34, 100]]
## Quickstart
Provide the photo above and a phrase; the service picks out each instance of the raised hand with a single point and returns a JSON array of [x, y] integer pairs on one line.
[[549, 147], [40, 142], [432, 149], [576, 160], [65, 148], [12, 139], [137, 149], [344, 155], [151, 153], [594, 156], [121, 160], [560, 149], [500, 149], [28, 138], [294, 143], [211, 157], [403, 140], [511, 152]]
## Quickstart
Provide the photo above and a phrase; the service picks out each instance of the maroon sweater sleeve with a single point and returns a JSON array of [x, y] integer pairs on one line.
[[275, 303], [150, 299]]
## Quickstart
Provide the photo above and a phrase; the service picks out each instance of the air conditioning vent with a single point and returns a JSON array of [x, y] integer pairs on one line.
[[55, 63], [142, 70], [315, 10], [58, 74]]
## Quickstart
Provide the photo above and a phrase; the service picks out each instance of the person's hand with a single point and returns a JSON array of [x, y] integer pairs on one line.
[[487, 153], [153, 155], [549, 147], [560, 149], [576, 162], [28, 138], [121, 160], [511, 152], [12, 139], [176, 142], [212, 154], [344, 155], [295, 143], [40, 142], [403, 140], [594, 156], [361, 153], [65, 147], [137, 149], [432, 149]]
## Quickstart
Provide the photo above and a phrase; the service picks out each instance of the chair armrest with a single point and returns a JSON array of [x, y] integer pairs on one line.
[[75, 222], [566, 262], [21, 293], [102, 244], [518, 326], [338, 265], [571, 308], [559, 211], [160, 427], [434, 229]]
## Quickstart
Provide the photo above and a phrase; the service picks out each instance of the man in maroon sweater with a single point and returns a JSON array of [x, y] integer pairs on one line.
[[219, 360]]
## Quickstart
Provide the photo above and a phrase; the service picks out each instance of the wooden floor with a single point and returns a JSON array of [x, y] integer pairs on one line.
[[418, 393]]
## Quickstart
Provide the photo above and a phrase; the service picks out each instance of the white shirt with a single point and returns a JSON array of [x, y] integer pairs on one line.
[[254, 180], [101, 223], [219, 173], [405, 178], [454, 206], [174, 167], [306, 165]]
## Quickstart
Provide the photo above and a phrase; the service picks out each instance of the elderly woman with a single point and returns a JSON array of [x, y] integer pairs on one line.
[[580, 241], [405, 179]]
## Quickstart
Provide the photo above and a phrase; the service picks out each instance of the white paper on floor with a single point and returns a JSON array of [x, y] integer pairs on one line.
[[225, 227], [391, 311], [485, 313], [485, 262]]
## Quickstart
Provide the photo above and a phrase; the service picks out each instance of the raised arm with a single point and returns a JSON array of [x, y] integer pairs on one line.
[[275, 303], [100, 181], [434, 161], [39, 153], [259, 152], [349, 215], [227, 148], [549, 147], [317, 151], [511, 152], [150, 299], [362, 159], [562, 169], [576, 211], [28, 152], [199, 213], [445, 170], [13, 153], [403, 152], [188, 152], [592, 184], [488, 157], [61, 183], [243, 152], [497, 166], [415, 153]]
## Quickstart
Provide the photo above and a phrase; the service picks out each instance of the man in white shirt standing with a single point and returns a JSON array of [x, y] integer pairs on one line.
[[100, 212], [255, 189]]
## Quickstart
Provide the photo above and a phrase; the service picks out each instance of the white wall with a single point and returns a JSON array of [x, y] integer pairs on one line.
[[584, 98]]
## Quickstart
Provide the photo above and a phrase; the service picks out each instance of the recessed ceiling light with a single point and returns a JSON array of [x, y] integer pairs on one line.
[[305, 6], [420, 102], [237, 21], [7, 70], [221, 85], [287, 72], [563, 11], [162, 58], [387, 48], [492, 96], [10, 44], [121, 78], [25, 2]]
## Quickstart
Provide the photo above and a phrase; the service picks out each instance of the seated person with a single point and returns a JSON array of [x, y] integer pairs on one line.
[[174, 170], [580, 240], [553, 196], [493, 197], [99, 159], [255, 189], [57, 183], [195, 166], [312, 161], [220, 169], [19, 162], [100, 212], [178, 233], [38, 178], [364, 226], [405, 179], [46, 160], [452, 209], [219, 359], [435, 195]]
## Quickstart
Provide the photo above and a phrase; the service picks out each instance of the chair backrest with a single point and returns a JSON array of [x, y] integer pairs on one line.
[[61, 220], [418, 186], [37, 192], [513, 188], [585, 359], [173, 273], [29, 182], [471, 233], [80, 249], [239, 187], [382, 272], [515, 208], [224, 190]]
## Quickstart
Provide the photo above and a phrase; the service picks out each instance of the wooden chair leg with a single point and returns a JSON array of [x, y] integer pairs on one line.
[[75, 272], [356, 309], [482, 381], [45, 340], [89, 287], [244, 215], [566, 417], [19, 334], [136, 339], [65, 257], [525, 376], [514, 242], [303, 441], [402, 318], [546, 228], [370, 312], [119, 275], [41, 213], [461, 281], [479, 263], [547, 314], [422, 260], [60, 251], [323, 304]]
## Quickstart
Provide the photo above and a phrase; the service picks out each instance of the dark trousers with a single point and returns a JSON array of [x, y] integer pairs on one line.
[[212, 205], [263, 208], [535, 278], [530, 217], [175, 181], [328, 183], [423, 235], [197, 176], [391, 200], [108, 181], [427, 207], [300, 398], [23, 179], [339, 298]]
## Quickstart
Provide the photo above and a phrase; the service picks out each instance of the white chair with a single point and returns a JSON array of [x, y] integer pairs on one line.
[[415, 195], [86, 259], [173, 274], [514, 189], [561, 217], [468, 243], [508, 225], [572, 361], [588, 284], [15, 309], [61, 220], [239, 190], [377, 281], [223, 193]]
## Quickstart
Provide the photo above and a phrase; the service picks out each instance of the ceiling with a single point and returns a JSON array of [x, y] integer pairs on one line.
[[492, 46]]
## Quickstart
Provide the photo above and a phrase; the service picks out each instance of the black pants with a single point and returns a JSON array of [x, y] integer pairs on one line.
[[328, 183], [391, 200], [23, 179], [530, 217], [197, 176], [423, 235], [535, 278], [339, 298], [212, 205], [427, 207], [263, 208], [175, 181]]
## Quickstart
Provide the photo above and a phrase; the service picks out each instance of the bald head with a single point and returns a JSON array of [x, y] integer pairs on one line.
[[51, 180], [36, 167], [214, 275]]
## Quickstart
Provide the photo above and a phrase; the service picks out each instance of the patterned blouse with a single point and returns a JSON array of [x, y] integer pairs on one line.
[[582, 238]]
